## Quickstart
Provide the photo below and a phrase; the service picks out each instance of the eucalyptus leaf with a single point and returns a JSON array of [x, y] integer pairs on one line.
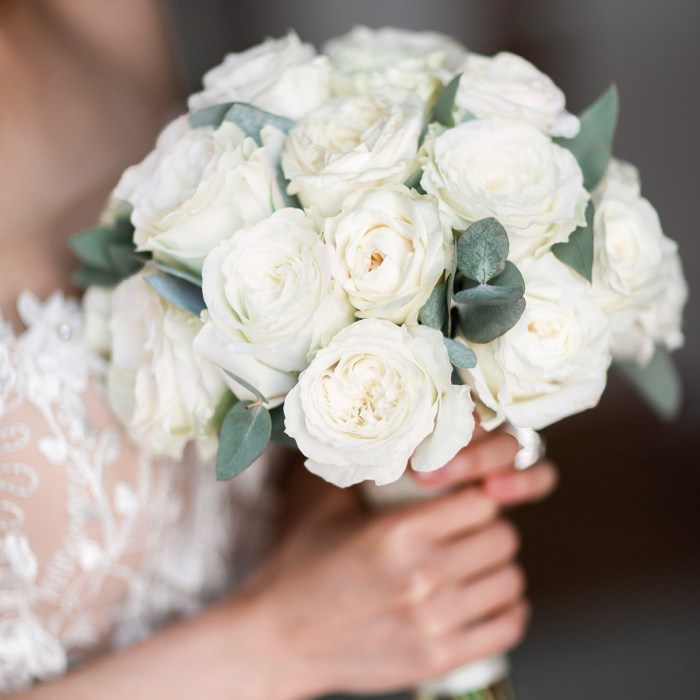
[[657, 382], [125, 260], [278, 434], [92, 246], [413, 181], [289, 200], [449, 292], [86, 276], [467, 117], [577, 252], [442, 112], [592, 146], [186, 275], [249, 387], [434, 311], [482, 324], [210, 116], [482, 250], [460, 355], [180, 292], [251, 120], [488, 295], [123, 226], [244, 435]]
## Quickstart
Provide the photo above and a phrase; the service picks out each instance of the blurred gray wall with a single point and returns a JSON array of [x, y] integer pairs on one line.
[[613, 558]]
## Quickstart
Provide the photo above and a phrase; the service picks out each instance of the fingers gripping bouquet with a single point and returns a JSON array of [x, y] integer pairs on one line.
[[357, 250]]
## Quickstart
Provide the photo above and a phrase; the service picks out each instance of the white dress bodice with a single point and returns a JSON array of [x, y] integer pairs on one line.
[[99, 544]]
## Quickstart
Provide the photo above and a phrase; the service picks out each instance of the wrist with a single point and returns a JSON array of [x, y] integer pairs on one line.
[[261, 664]]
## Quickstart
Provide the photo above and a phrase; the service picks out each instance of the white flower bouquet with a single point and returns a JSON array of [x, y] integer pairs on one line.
[[359, 250]]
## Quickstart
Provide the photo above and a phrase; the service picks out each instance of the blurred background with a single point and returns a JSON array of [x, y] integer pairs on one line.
[[613, 558]]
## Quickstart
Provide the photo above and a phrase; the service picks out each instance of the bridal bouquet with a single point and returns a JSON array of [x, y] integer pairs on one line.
[[356, 251]]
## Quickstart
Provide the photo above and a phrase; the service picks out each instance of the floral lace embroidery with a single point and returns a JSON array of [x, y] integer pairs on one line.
[[140, 542]]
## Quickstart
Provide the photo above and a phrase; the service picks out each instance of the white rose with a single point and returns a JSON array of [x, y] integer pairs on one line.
[[282, 76], [391, 249], [657, 323], [162, 392], [367, 60], [508, 86], [270, 302], [200, 188], [637, 276], [378, 395], [554, 361], [511, 171], [97, 305], [349, 144]]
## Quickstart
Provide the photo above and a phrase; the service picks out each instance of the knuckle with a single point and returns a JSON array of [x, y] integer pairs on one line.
[[482, 507], [418, 584], [426, 626], [508, 538], [394, 540]]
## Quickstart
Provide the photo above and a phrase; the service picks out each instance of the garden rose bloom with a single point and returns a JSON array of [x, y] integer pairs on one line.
[[637, 276], [376, 396], [506, 85], [282, 76], [163, 393], [511, 171], [553, 362], [365, 60], [350, 144], [198, 189], [270, 302], [391, 249]]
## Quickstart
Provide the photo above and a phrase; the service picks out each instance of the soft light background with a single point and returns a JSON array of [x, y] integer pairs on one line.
[[613, 559]]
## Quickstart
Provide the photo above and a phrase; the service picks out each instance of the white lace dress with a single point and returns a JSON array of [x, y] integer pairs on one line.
[[98, 543]]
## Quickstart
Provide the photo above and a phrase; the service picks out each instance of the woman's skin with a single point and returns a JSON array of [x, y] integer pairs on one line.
[[350, 600]]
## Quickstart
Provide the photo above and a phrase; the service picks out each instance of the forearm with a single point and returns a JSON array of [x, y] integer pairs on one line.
[[226, 652]]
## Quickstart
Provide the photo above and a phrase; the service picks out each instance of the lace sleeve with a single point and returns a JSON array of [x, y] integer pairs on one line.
[[98, 543]]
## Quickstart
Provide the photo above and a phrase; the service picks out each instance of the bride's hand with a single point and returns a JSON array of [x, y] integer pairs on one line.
[[361, 602], [489, 459]]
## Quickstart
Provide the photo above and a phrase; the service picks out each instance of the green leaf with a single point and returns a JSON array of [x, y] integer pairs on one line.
[[488, 295], [125, 260], [180, 292], [210, 116], [413, 181], [434, 311], [505, 288], [460, 355], [510, 277], [442, 112], [482, 250], [278, 434], [449, 292], [249, 387], [593, 144], [467, 117], [92, 246], [251, 120], [123, 227], [657, 382], [289, 200], [86, 276], [177, 272], [482, 324], [244, 435], [577, 252]]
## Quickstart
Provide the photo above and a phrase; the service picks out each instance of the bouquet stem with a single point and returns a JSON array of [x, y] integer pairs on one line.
[[501, 690]]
